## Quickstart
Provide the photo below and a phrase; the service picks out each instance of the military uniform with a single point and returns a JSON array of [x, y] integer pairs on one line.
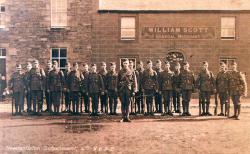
[[111, 85], [149, 86], [37, 86], [158, 96], [74, 80], [166, 88], [56, 85], [67, 97], [48, 95], [17, 84], [206, 86], [187, 84], [126, 80], [28, 92], [104, 97], [139, 94], [222, 88], [95, 87], [84, 91], [176, 92]]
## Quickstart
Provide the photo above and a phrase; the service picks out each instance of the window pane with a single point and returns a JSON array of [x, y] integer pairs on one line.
[[128, 22], [63, 62], [3, 52], [227, 33], [55, 53], [2, 8], [127, 33], [227, 22], [63, 52]]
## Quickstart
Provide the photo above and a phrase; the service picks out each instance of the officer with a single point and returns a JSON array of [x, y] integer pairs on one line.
[[149, 86], [187, 84], [176, 87], [37, 81], [95, 88], [206, 87], [74, 80], [237, 89], [166, 87], [27, 87], [111, 84], [48, 95], [133, 109], [17, 85], [222, 86], [139, 94], [84, 89], [104, 96], [56, 84], [67, 97], [158, 97], [126, 80]]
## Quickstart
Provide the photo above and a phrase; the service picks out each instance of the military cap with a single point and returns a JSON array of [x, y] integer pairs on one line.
[[177, 64], [222, 63], [18, 66], [85, 64], [55, 62], [131, 62], [167, 62], [75, 63], [204, 62], [112, 64], [49, 62], [92, 65], [149, 61], [139, 62], [126, 60], [185, 63], [28, 63], [234, 63], [67, 63], [103, 63], [158, 61], [35, 62]]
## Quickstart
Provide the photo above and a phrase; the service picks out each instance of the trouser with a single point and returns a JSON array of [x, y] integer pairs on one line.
[[223, 96], [139, 102], [158, 102], [86, 100], [95, 102], [176, 100], [75, 101], [28, 100], [19, 101], [104, 104], [37, 98], [237, 104], [67, 100], [113, 100], [186, 97], [205, 101], [56, 100], [167, 94], [48, 100], [149, 99], [125, 97]]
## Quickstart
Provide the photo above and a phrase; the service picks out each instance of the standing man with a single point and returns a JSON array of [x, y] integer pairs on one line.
[[158, 96], [187, 84], [132, 99], [111, 84], [139, 94], [206, 87], [27, 87], [74, 80], [67, 97], [56, 84], [177, 88], [84, 88], [17, 85], [222, 87], [237, 89], [149, 86], [48, 95], [36, 80], [166, 87], [95, 88], [126, 80], [104, 96]]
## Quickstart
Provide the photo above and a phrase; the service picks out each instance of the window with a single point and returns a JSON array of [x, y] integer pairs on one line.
[[58, 13], [130, 59], [228, 28], [228, 61], [2, 16], [60, 55], [128, 28], [2, 53]]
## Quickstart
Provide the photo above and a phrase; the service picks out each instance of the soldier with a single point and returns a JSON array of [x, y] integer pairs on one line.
[[133, 109], [206, 86], [27, 87], [111, 84], [149, 86], [139, 94], [104, 96], [158, 97], [67, 97], [166, 87], [47, 93], [74, 80], [177, 89], [222, 86], [84, 88], [187, 84], [95, 88], [17, 85], [237, 89], [126, 80], [36, 80], [56, 84]]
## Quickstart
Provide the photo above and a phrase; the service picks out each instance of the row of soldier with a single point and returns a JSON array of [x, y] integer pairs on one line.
[[134, 88]]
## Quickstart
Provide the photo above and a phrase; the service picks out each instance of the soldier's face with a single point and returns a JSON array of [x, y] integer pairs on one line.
[[158, 65], [185, 67], [68, 67], [76, 67], [125, 64], [223, 67], [49, 65], [150, 65], [93, 68], [139, 66], [234, 67], [205, 66], [131, 64], [86, 68], [112, 68], [177, 67], [103, 66], [18, 70], [167, 66], [36, 65], [29, 67], [55, 65]]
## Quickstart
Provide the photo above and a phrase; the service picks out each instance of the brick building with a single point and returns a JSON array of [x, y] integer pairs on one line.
[[110, 30]]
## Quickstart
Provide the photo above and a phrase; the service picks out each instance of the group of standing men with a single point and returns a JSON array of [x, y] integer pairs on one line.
[[134, 88]]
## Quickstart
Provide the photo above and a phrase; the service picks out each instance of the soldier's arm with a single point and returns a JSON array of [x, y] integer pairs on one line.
[[135, 82], [10, 83], [62, 78], [243, 83], [101, 84]]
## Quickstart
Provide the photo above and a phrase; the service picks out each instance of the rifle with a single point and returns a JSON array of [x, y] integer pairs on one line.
[[199, 103], [216, 103]]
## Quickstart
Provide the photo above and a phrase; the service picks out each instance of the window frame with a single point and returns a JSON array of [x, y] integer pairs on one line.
[[59, 58], [1, 53], [58, 12], [2, 16], [136, 28], [235, 28], [227, 59]]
